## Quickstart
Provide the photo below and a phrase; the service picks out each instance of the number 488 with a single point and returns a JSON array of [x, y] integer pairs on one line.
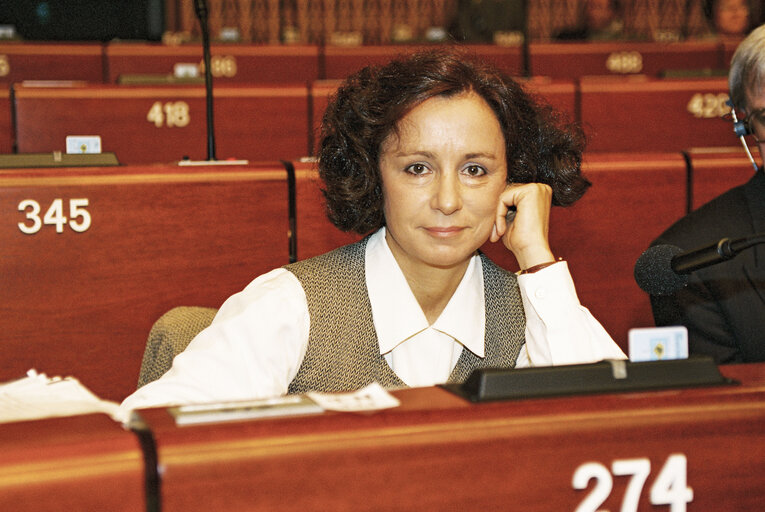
[[669, 488]]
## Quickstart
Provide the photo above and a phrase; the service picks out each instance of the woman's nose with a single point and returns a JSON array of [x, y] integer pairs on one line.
[[447, 196]]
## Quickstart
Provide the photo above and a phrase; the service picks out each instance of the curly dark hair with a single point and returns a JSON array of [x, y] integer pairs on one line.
[[541, 146]]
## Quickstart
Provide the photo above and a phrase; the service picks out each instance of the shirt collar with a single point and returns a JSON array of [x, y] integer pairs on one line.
[[396, 314]]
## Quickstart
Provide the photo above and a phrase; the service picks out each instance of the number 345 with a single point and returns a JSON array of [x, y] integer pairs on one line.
[[79, 218], [669, 488]]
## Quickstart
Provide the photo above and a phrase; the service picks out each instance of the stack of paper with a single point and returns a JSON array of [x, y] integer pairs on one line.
[[37, 396]]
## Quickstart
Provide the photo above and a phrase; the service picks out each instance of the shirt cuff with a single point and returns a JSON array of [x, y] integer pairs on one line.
[[553, 316]]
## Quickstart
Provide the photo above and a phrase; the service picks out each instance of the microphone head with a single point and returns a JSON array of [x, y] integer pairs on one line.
[[653, 271]]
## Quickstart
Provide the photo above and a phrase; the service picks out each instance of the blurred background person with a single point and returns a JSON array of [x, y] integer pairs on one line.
[[728, 18], [601, 21]]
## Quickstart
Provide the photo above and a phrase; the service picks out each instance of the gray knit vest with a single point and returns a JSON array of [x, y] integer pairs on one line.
[[343, 352]]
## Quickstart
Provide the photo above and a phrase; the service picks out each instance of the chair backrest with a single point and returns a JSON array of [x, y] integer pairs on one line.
[[169, 336]]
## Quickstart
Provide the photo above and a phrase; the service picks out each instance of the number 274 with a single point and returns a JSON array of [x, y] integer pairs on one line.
[[669, 488]]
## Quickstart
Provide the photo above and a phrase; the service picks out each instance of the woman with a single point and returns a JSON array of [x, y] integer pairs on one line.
[[429, 153]]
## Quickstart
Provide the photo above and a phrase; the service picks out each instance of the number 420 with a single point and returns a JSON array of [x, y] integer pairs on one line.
[[669, 488]]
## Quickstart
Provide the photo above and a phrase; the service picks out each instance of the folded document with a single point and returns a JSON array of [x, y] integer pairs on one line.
[[37, 396]]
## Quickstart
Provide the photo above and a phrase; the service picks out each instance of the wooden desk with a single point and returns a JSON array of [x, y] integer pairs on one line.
[[50, 61], [133, 243], [341, 61], [717, 170], [82, 463], [160, 124], [561, 94], [728, 49], [575, 59], [315, 233], [230, 63], [6, 122], [633, 198], [645, 114], [437, 452]]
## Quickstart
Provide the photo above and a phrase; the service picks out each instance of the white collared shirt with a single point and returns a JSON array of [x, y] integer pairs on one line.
[[255, 345]]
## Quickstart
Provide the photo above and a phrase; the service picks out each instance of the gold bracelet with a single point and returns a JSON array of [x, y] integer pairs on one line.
[[537, 268]]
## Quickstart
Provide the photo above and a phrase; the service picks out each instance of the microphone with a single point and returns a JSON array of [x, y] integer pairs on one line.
[[664, 269]]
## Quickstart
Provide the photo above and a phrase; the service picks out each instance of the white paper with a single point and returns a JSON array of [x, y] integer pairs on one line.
[[370, 398], [36, 396]]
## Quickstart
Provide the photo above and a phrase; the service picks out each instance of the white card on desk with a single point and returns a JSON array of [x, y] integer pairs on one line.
[[657, 343], [83, 144]]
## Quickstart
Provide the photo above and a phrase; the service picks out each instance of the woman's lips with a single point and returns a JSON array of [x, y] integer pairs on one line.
[[445, 232]]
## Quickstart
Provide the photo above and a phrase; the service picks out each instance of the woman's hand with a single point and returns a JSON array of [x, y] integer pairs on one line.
[[526, 234]]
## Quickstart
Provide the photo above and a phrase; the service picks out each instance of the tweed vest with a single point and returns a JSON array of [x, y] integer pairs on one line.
[[343, 352]]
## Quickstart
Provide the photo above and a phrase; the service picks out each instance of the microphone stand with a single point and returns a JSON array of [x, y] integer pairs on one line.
[[525, 52], [200, 7]]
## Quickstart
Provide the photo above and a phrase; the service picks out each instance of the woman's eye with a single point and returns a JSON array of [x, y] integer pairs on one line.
[[417, 169], [474, 170]]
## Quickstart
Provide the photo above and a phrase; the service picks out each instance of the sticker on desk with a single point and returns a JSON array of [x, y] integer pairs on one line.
[[370, 398], [658, 343], [78, 144]]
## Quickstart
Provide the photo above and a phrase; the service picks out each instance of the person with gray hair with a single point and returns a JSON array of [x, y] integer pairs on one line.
[[723, 306]]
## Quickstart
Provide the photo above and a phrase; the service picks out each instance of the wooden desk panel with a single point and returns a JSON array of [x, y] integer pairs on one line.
[[6, 123], [51, 61], [77, 463], [643, 114], [561, 94], [633, 198], [728, 49], [82, 303], [575, 59], [239, 63], [717, 170], [315, 233], [437, 452], [163, 124], [341, 61]]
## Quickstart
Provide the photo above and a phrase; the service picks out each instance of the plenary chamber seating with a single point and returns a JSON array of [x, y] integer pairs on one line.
[[341, 61], [159, 124], [638, 113], [716, 170], [90, 258], [51, 61], [229, 63], [574, 59]]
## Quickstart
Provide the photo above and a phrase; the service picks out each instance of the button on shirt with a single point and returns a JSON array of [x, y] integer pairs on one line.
[[255, 345]]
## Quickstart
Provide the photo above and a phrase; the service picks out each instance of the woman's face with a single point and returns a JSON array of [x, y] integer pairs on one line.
[[442, 175], [731, 17]]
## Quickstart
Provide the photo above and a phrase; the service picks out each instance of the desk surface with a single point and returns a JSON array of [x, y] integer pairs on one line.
[[86, 462], [438, 452]]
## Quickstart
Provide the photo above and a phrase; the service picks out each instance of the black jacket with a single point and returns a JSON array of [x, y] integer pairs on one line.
[[723, 306]]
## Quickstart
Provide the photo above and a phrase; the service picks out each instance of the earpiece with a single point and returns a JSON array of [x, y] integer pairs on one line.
[[741, 129]]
